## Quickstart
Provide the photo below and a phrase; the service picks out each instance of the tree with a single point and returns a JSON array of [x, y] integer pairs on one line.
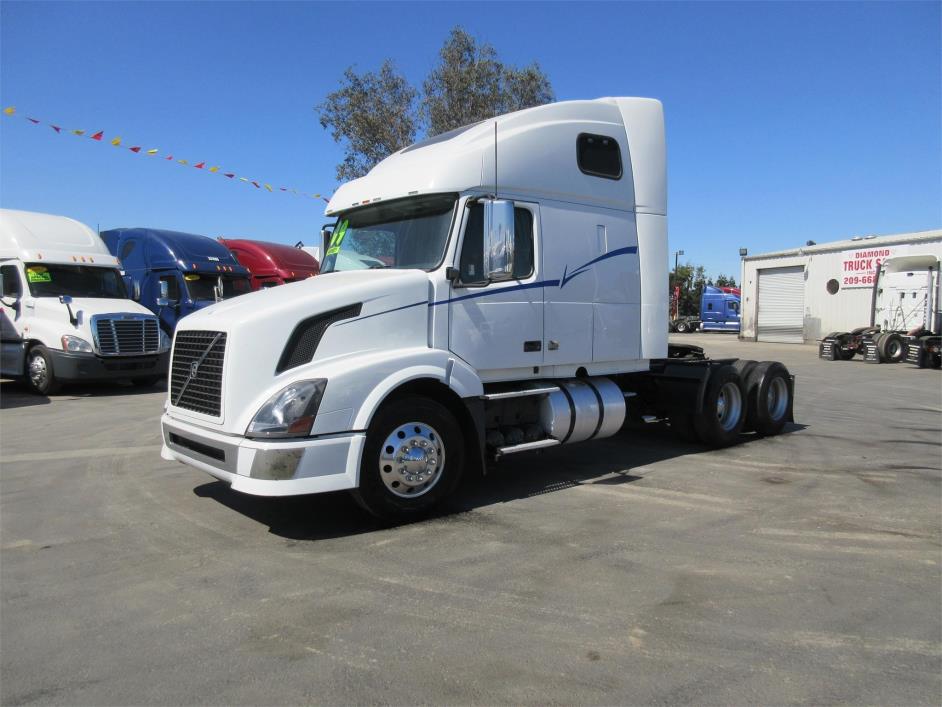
[[375, 113], [471, 84], [725, 281]]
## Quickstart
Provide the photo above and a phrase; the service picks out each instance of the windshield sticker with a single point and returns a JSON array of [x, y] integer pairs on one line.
[[38, 273], [337, 239]]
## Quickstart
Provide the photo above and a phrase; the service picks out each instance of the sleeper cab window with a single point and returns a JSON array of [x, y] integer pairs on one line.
[[599, 155], [472, 247]]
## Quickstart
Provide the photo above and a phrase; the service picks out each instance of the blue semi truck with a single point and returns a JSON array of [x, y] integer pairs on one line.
[[719, 311], [174, 274]]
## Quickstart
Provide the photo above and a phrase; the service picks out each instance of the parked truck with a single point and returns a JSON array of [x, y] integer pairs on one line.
[[271, 264], [174, 274], [65, 316], [518, 304], [719, 311], [905, 317]]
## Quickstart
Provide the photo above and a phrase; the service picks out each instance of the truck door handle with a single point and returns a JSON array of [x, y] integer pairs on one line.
[[529, 346]]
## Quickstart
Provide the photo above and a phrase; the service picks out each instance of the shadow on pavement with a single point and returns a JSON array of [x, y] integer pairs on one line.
[[14, 394], [608, 461]]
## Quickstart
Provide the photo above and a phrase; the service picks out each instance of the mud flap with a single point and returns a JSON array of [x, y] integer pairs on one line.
[[871, 354], [828, 348]]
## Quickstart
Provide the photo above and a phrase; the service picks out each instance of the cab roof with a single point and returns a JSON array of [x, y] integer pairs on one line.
[[263, 257], [173, 248], [29, 236]]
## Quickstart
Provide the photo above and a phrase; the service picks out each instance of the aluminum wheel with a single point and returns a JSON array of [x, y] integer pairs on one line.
[[411, 460], [777, 398], [38, 371], [729, 406]]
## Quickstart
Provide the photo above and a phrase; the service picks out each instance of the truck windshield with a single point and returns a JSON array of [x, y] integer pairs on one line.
[[51, 280], [408, 233], [200, 287]]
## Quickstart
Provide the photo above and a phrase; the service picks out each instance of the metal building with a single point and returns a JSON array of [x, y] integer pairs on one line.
[[801, 295]]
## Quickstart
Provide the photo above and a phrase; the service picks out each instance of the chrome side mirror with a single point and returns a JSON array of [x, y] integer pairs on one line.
[[498, 240], [163, 300]]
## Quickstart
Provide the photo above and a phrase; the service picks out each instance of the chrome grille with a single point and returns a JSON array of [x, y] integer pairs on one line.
[[123, 337], [200, 391]]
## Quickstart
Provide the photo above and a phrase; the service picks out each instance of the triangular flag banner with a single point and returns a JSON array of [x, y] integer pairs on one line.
[[214, 169], [9, 111], [33, 121], [169, 157], [183, 162], [152, 152], [116, 141], [200, 165], [230, 175], [268, 187], [243, 179], [78, 132], [98, 135], [56, 128], [256, 185], [134, 149]]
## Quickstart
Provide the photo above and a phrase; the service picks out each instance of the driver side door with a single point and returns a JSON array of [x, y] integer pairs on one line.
[[11, 311]]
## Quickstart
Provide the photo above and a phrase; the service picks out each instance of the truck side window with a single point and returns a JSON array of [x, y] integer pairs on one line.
[[472, 248], [733, 306], [11, 281], [599, 155], [127, 248], [173, 287], [710, 306]]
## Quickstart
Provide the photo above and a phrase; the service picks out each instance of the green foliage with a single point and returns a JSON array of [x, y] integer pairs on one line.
[[375, 114], [692, 279]]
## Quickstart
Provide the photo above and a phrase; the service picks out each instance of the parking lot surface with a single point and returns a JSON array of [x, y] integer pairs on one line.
[[804, 568]]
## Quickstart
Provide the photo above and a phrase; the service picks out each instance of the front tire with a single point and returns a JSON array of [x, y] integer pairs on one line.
[[683, 327], [40, 376], [412, 460]]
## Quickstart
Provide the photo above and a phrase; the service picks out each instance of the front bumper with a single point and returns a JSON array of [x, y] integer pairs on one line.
[[89, 367], [264, 468]]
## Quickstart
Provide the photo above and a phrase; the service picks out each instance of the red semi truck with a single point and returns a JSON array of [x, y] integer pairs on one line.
[[272, 264]]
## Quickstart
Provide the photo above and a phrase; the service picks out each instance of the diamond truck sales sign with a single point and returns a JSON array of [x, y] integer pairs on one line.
[[859, 267]]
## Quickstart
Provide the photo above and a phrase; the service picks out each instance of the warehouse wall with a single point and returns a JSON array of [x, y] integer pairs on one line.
[[849, 307]]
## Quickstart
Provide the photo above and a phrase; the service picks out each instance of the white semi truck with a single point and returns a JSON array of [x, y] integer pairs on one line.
[[493, 290], [905, 316], [65, 316]]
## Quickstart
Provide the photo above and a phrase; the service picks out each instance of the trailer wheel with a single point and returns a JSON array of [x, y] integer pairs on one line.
[[413, 458], [891, 348], [723, 415], [770, 398], [683, 327], [40, 375], [744, 369]]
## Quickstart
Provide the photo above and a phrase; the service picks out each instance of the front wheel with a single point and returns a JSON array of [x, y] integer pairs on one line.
[[40, 375], [683, 327], [413, 458]]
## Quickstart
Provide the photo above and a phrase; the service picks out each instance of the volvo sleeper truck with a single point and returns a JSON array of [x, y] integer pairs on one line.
[[174, 274], [719, 311], [488, 292], [905, 317], [65, 316]]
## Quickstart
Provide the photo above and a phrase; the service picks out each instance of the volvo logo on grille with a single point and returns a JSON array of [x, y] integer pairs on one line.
[[195, 367]]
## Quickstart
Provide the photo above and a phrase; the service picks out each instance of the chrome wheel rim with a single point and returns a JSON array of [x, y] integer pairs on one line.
[[411, 460], [38, 371], [777, 398], [729, 406], [893, 349]]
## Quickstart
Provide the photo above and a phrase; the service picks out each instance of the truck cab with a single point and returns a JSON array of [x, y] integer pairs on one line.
[[486, 292], [192, 271], [719, 309], [271, 264], [65, 315]]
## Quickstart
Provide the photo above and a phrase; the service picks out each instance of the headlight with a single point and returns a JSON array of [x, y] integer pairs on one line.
[[290, 412], [164, 340], [74, 344]]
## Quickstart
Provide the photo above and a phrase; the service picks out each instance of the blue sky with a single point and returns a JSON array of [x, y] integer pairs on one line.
[[785, 121]]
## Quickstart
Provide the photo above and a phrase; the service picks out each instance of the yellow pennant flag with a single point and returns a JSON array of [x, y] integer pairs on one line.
[[214, 169], [268, 187], [152, 152], [243, 179], [116, 141], [78, 132], [9, 111], [183, 162]]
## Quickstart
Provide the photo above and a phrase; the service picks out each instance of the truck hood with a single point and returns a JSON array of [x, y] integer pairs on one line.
[[393, 313], [84, 308]]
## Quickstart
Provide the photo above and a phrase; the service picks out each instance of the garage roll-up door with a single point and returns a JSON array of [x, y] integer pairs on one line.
[[781, 315]]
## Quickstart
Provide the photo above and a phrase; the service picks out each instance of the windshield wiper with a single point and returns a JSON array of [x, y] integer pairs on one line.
[[379, 266]]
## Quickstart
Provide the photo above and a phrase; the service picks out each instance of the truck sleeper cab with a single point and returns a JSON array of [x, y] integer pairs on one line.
[[65, 315], [187, 270], [509, 307], [719, 311], [271, 264]]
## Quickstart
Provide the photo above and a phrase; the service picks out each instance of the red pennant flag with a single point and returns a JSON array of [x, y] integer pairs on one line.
[[229, 174], [200, 165], [170, 157], [134, 149], [98, 135], [56, 128], [33, 121]]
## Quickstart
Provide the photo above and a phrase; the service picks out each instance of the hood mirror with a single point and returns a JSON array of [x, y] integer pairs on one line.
[[164, 298], [498, 240]]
